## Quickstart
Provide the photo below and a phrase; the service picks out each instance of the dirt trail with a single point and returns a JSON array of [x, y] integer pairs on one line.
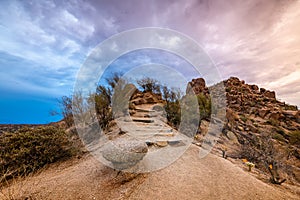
[[188, 178]]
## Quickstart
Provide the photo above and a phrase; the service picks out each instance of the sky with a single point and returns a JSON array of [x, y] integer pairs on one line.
[[43, 44]]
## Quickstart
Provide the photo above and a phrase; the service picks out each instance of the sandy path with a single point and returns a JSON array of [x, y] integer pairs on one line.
[[188, 178], [208, 178]]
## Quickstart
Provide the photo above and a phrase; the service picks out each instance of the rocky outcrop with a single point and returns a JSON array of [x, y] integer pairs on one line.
[[139, 98], [242, 97], [197, 86], [251, 113]]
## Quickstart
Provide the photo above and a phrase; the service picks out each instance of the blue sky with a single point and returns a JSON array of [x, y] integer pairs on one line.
[[44, 43]]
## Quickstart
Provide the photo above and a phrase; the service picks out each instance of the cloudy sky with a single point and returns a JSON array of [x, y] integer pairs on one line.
[[44, 43]]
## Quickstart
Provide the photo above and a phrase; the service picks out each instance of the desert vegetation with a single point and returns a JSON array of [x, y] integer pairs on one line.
[[29, 149]]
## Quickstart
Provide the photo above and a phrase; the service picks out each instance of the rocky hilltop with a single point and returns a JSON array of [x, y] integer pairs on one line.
[[261, 103], [258, 127], [251, 102]]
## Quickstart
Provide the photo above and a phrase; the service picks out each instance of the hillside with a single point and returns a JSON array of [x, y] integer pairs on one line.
[[258, 128]]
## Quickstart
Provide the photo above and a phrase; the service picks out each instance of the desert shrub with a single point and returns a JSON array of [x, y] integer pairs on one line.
[[149, 85], [102, 102], [173, 98], [173, 113], [259, 150], [295, 138], [281, 132], [228, 89], [278, 137], [114, 79], [252, 103], [273, 122], [290, 107], [172, 106], [121, 99], [74, 105], [66, 109], [243, 118], [27, 150], [205, 106]]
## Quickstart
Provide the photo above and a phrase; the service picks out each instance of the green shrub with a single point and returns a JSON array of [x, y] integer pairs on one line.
[[66, 109], [27, 150], [173, 112], [149, 85], [205, 106], [172, 105], [228, 89], [278, 137], [295, 138], [273, 122], [290, 107], [281, 132], [243, 118], [103, 98], [252, 103]]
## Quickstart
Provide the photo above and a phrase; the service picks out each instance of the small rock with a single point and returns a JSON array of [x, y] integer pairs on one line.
[[231, 136], [240, 128], [176, 143], [164, 134], [161, 143]]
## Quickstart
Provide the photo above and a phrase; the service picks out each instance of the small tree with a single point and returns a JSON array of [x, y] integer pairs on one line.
[[260, 150], [66, 109], [103, 105], [114, 80], [149, 85], [172, 107], [204, 106]]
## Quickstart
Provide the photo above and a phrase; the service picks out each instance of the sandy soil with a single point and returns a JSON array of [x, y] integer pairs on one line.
[[188, 178]]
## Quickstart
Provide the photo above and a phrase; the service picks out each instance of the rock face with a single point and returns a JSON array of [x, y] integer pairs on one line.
[[124, 153], [197, 86], [139, 98], [253, 112]]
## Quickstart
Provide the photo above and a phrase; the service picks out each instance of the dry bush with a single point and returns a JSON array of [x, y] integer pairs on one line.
[[28, 150]]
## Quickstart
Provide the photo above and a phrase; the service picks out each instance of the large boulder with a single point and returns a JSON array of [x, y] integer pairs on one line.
[[124, 153], [298, 116], [290, 114], [231, 115], [197, 86], [255, 88], [270, 94], [146, 98], [275, 115], [263, 112]]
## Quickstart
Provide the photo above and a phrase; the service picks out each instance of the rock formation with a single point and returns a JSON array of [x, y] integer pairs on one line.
[[253, 112], [124, 153]]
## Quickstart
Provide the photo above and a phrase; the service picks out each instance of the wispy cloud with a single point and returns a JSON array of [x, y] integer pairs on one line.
[[44, 43]]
